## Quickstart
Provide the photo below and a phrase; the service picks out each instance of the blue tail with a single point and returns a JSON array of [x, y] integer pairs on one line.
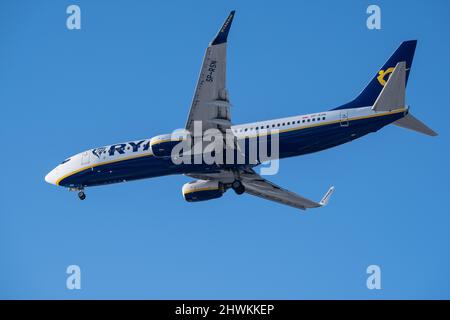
[[370, 93]]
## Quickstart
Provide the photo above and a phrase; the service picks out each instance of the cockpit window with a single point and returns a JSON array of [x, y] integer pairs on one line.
[[67, 160]]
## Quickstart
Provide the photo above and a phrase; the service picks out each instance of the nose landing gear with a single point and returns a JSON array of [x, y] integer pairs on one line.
[[81, 195], [80, 190]]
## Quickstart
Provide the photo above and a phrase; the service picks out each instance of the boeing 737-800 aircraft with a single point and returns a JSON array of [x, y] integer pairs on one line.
[[381, 103]]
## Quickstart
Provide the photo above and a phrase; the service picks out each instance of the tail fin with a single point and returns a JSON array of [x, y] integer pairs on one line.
[[371, 92], [412, 123]]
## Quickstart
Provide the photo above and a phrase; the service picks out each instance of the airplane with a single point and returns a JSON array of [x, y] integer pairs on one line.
[[381, 102]]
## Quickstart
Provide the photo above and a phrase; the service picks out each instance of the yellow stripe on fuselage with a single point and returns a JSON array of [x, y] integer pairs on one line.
[[166, 140], [323, 124], [102, 163], [244, 137], [201, 189]]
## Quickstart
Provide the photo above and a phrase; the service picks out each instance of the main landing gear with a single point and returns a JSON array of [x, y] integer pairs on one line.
[[238, 187]]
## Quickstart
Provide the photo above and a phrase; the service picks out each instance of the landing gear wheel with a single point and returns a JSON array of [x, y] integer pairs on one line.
[[81, 195], [238, 187]]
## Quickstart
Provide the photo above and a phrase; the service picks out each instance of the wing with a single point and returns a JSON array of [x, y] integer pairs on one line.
[[210, 104], [256, 185]]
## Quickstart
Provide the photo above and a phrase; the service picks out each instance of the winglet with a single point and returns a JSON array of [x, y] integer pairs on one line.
[[326, 197], [222, 35]]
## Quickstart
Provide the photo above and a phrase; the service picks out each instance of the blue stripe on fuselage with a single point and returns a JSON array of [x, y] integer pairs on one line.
[[291, 143], [309, 140]]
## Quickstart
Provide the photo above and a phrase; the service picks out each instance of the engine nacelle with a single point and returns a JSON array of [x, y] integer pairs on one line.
[[163, 145], [201, 190]]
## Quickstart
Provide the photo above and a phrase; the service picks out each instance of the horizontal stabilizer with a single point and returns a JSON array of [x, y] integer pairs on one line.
[[412, 123], [393, 94]]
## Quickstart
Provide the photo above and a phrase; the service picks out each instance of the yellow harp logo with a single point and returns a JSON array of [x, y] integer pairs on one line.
[[382, 74]]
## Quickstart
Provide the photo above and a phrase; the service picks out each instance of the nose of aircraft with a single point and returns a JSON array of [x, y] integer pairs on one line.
[[51, 177]]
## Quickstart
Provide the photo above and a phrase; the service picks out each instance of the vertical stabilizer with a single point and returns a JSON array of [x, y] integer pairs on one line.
[[367, 97]]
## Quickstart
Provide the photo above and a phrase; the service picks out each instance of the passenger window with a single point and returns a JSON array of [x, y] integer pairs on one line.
[[309, 120], [323, 118]]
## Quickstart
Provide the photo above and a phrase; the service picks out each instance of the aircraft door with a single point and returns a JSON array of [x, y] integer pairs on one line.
[[85, 158], [344, 118]]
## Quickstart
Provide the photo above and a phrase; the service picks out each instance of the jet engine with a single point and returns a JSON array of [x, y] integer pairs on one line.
[[201, 190], [163, 145]]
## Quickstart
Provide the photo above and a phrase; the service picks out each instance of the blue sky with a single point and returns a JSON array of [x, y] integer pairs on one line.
[[130, 72]]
